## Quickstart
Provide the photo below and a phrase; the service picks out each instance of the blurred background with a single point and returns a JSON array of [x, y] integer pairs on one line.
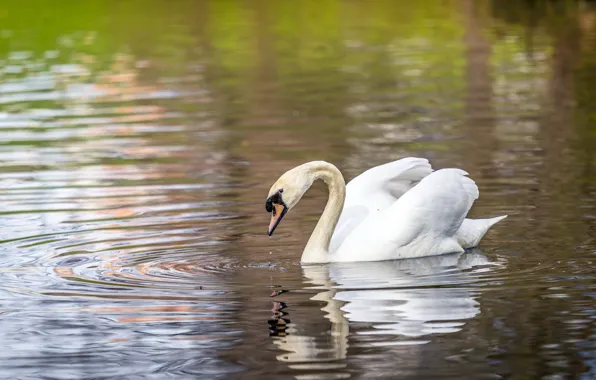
[[139, 139]]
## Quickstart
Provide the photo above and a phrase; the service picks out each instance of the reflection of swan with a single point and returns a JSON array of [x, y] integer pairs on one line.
[[411, 298], [405, 297], [398, 210]]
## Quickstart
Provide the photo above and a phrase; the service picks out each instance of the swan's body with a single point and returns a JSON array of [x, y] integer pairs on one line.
[[398, 210]]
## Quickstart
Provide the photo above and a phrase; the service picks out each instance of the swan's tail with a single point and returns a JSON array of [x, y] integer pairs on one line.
[[473, 230]]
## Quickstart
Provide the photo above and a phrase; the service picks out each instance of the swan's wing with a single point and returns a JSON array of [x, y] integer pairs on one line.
[[423, 221], [438, 204], [386, 182], [377, 189]]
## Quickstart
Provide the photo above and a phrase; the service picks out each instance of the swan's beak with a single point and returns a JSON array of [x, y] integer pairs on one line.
[[277, 213]]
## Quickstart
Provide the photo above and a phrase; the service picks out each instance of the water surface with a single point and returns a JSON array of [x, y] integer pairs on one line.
[[138, 143]]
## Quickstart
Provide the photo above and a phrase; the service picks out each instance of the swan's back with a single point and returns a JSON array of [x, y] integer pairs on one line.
[[422, 222], [377, 189]]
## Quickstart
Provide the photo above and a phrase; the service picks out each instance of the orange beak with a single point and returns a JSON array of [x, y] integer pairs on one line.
[[277, 214]]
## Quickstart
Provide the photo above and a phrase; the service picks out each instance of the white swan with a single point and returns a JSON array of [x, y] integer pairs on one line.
[[398, 210]]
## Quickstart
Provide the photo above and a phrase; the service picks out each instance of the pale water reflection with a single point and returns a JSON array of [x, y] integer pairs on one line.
[[408, 298]]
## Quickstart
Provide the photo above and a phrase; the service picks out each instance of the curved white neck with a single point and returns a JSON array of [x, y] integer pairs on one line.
[[317, 248]]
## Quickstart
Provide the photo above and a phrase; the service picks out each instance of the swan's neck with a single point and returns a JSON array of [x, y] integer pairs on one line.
[[317, 248]]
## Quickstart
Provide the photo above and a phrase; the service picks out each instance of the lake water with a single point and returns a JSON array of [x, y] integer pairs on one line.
[[138, 142]]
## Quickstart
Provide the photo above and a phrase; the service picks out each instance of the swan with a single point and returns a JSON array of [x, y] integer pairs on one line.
[[402, 209]]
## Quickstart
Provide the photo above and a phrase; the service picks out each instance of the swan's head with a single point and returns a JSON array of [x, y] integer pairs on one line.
[[286, 192]]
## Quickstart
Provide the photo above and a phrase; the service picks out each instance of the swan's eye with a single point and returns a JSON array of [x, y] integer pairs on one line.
[[280, 191], [272, 201]]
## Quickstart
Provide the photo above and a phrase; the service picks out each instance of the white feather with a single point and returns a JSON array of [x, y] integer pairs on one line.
[[425, 219], [379, 187], [376, 189]]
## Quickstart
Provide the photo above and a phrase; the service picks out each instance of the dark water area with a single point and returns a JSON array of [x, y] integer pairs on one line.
[[139, 139]]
